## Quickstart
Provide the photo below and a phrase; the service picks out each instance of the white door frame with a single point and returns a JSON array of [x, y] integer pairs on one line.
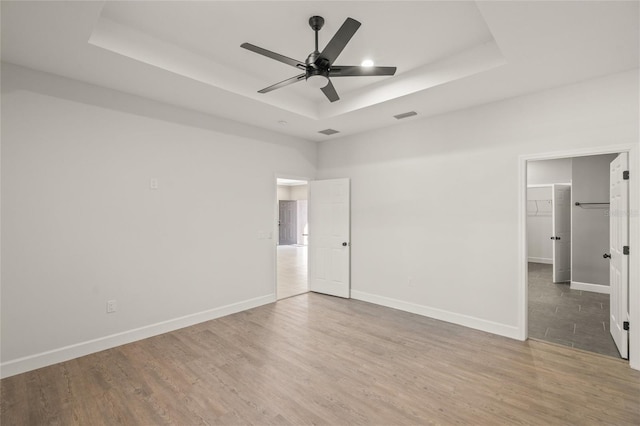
[[634, 237], [276, 215]]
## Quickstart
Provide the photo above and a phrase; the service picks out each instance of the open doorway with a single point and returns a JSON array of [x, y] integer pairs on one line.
[[292, 237], [568, 253]]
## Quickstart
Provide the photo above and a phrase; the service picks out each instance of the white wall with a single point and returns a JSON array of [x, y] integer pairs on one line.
[[284, 192], [302, 224], [293, 192], [590, 224], [539, 226], [435, 201], [546, 172], [299, 192], [80, 224]]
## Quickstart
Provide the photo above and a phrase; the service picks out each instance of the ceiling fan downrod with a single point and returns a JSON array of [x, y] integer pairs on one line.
[[316, 23], [317, 72]]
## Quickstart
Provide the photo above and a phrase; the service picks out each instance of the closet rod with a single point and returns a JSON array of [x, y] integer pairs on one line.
[[585, 204]]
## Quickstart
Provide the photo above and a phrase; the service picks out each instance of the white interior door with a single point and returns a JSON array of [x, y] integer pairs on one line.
[[329, 237], [618, 261], [561, 230]]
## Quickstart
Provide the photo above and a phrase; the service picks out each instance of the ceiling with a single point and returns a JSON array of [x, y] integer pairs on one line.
[[449, 54], [290, 182]]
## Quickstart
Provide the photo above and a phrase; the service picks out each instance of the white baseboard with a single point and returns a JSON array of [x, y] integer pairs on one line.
[[596, 288], [439, 314], [540, 260], [32, 362]]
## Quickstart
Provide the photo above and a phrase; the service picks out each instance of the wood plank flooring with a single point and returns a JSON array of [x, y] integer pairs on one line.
[[315, 359], [292, 270]]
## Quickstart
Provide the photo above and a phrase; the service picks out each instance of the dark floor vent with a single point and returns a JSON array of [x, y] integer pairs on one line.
[[405, 115], [328, 132]]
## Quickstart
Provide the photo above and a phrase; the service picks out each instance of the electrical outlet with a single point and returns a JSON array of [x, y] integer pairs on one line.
[[153, 183], [112, 306]]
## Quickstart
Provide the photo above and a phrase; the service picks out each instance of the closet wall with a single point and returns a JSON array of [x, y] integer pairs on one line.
[[539, 224], [547, 172], [540, 176], [590, 223]]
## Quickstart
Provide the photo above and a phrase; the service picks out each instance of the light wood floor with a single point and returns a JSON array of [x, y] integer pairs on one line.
[[292, 271], [315, 359]]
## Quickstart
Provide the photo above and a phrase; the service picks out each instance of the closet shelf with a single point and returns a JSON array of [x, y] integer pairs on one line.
[[538, 207]]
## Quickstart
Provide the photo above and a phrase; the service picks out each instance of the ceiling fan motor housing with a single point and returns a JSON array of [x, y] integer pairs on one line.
[[316, 62]]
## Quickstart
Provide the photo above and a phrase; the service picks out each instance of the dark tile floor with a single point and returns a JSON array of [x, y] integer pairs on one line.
[[575, 318]]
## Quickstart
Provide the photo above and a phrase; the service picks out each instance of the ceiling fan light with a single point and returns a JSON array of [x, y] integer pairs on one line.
[[367, 63], [317, 81]]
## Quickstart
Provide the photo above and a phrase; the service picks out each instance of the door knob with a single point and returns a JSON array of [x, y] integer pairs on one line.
[[606, 255], [345, 244]]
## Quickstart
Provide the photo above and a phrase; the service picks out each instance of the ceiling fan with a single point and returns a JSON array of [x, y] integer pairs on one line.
[[319, 66]]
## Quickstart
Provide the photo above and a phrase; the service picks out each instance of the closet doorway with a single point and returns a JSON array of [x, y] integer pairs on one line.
[[293, 236], [568, 253]]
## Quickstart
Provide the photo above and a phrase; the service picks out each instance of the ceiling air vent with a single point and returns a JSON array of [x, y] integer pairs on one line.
[[405, 115], [328, 132]]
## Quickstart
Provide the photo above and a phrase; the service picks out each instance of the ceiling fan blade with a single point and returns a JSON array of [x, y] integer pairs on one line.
[[356, 71], [330, 92], [273, 55], [333, 49], [283, 83]]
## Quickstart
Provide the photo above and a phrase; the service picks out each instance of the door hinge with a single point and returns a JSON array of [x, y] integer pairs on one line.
[[625, 250], [625, 175], [625, 325]]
